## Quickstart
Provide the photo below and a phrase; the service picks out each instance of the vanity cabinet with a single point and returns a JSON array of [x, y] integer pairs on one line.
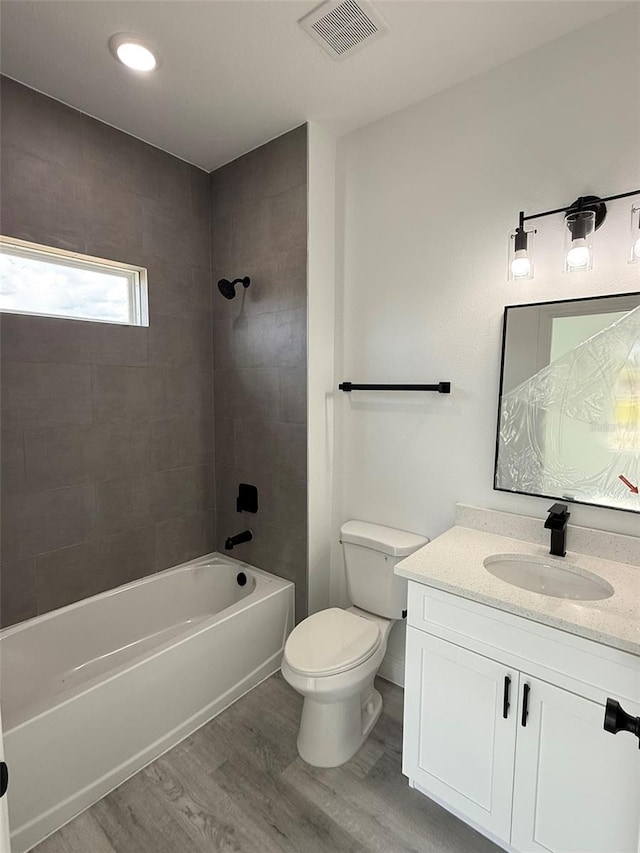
[[576, 787], [504, 727], [458, 744]]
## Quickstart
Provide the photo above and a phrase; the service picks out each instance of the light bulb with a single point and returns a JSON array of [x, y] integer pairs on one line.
[[636, 248], [578, 256], [520, 265], [578, 246], [136, 56]]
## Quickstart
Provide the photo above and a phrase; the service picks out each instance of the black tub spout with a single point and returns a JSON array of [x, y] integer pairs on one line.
[[238, 539]]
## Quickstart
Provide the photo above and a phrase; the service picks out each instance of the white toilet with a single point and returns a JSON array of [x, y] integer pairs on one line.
[[332, 657]]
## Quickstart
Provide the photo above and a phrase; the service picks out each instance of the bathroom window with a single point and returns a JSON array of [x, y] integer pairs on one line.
[[51, 282]]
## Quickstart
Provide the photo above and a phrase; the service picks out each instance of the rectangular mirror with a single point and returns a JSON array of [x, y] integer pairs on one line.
[[569, 410]]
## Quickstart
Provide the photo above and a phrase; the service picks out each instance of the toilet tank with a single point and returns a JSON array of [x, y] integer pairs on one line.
[[370, 554]]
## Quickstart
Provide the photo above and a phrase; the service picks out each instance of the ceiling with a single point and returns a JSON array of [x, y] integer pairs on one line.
[[237, 73]]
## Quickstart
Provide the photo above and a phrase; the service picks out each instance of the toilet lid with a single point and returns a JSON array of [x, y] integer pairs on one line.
[[330, 642]]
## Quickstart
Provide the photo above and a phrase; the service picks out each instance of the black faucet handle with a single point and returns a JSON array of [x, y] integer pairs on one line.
[[559, 509], [557, 518]]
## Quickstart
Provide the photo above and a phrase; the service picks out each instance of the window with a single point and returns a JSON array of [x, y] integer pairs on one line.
[[55, 283]]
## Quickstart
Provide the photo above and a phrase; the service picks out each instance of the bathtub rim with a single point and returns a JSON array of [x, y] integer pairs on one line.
[[107, 593], [260, 591]]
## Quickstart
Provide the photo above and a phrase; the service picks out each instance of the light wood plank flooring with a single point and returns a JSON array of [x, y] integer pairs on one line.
[[238, 784]]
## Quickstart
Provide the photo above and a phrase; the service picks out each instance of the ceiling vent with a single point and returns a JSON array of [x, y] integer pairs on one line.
[[343, 27]]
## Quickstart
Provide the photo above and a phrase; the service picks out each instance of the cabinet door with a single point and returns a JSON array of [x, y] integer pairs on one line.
[[458, 745], [577, 787]]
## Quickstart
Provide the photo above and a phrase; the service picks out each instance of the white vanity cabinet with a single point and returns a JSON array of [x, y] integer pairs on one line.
[[576, 787], [457, 743], [504, 727]]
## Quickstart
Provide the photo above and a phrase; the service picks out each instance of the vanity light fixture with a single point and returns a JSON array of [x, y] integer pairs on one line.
[[582, 219], [578, 238], [133, 52], [521, 254], [634, 253]]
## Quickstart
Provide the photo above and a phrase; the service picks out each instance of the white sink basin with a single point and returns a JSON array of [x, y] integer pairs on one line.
[[548, 576]]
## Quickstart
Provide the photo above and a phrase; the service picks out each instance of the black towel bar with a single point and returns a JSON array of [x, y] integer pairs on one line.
[[440, 387]]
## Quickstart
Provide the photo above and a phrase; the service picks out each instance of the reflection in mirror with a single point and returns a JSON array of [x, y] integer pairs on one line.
[[569, 414]]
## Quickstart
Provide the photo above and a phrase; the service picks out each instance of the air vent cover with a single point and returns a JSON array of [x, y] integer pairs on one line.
[[342, 27]]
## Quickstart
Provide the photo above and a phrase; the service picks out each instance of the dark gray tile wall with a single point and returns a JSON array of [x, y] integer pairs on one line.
[[259, 229], [107, 431]]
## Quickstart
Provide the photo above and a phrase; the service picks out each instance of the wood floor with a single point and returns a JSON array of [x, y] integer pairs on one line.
[[238, 784]]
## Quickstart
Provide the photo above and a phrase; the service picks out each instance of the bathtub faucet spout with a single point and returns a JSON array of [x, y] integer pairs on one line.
[[238, 539]]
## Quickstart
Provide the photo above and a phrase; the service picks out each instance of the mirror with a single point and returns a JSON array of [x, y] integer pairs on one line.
[[569, 411]]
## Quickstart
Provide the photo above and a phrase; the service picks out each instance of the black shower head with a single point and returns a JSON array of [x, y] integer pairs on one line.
[[228, 288]]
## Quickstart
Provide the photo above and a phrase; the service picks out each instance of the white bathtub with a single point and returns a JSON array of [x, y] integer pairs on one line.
[[94, 691]]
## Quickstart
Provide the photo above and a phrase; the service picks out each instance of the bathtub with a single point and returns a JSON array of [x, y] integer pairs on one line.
[[93, 692]]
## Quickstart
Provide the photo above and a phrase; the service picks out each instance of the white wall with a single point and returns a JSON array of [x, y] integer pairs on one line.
[[321, 265], [426, 199]]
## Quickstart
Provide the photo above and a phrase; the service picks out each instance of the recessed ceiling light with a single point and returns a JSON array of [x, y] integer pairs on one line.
[[133, 52]]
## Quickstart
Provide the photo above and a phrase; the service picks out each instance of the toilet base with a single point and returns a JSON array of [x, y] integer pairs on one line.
[[332, 732]]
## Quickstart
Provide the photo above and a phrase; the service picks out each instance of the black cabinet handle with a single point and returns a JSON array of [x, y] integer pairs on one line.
[[4, 778], [525, 703], [616, 720], [505, 697]]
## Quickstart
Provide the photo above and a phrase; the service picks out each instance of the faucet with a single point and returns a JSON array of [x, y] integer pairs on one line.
[[238, 539], [557, 524]]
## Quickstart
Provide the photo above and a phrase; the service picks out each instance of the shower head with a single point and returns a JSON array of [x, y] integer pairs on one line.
[[228, 288]]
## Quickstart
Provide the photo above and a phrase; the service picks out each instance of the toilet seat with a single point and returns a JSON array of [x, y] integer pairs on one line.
[[331, 641]]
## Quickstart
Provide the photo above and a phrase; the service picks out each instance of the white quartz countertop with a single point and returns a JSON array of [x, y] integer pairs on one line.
[[454, 563]]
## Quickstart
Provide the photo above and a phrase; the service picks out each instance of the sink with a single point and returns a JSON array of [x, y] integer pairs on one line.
[[548, 577]]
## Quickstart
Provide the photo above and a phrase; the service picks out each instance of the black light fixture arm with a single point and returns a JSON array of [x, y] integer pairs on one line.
[[584, 202]]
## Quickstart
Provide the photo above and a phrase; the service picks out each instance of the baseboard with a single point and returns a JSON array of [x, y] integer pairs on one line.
[[392, 669]]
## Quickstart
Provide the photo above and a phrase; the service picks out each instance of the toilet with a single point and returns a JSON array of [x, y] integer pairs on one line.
[[332, 657]]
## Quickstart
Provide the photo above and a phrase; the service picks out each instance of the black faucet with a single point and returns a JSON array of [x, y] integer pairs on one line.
[[238, 539], [557, 524]]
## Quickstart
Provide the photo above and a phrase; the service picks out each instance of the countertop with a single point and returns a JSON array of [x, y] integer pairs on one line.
[[453, 562]]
